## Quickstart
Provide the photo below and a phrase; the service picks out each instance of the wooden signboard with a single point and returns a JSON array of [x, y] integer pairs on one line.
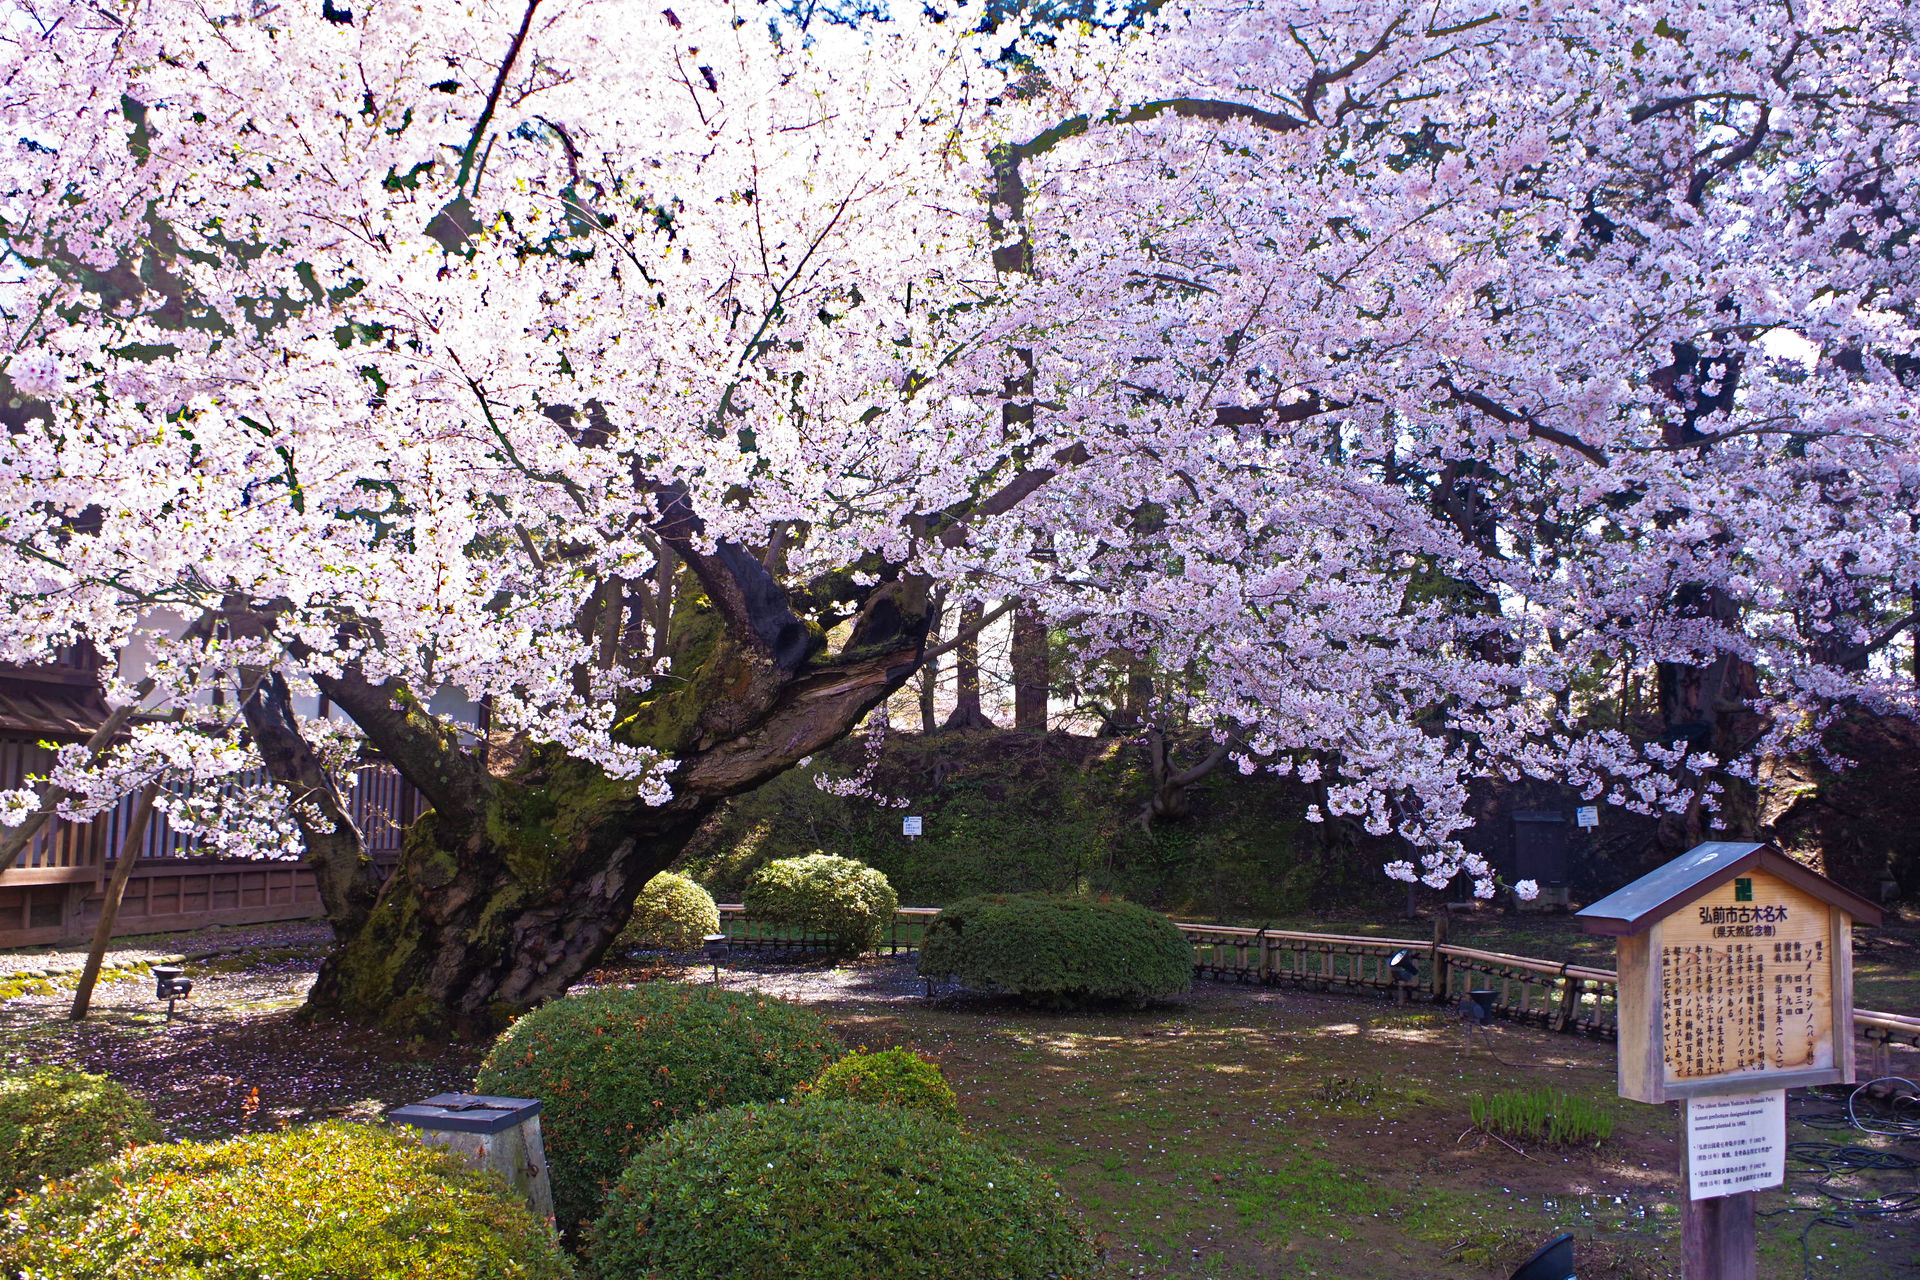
[[1736, 975], [1736, 978]]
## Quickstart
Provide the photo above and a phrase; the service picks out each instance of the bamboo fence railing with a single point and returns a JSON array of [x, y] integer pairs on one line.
[[1570, 998]]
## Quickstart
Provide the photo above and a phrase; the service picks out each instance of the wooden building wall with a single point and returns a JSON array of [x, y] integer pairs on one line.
[[53, 894]]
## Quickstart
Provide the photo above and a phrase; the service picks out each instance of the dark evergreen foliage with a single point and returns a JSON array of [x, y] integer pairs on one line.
[[1058, 949]]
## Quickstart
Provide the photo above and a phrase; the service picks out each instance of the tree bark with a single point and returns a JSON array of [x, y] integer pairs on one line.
[[342, 871], [1708, 708], [1139, 690], [512, 887], [966, 673], [1030, 674], [929, 686], [1169, 798]]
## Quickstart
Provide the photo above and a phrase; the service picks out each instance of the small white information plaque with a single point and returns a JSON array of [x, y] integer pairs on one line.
[[1735, 1143], [910, 826], [1587, 815]]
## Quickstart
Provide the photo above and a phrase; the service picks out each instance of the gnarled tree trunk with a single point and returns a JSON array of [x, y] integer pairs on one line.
[[516, 881], [1170, 798], [1708, 708]]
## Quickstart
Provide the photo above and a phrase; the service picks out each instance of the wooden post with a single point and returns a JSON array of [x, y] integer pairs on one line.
[[1717, 1240], [110, 906], [1569, 1001], [1438, 963]]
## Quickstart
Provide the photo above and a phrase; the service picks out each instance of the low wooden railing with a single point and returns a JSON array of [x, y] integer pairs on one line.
[[1570, 998], [909, 923], [1882, 1031], [1560, 997]]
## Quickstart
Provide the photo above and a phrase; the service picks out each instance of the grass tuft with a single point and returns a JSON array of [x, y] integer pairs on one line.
[[1542, 1115]]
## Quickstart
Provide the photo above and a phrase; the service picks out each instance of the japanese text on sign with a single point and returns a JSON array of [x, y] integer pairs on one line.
[[1746, 983]]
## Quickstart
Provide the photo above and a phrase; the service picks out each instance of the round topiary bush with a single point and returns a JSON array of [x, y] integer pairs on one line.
[[334, 1201], [1058, 950], [614, 1067], [893, 1077], [848, 901], [55, 1122], [833, 1191], [672, 913]]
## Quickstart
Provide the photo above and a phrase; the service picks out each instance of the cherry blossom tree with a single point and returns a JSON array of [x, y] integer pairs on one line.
[[1600, 316], [653, 377]]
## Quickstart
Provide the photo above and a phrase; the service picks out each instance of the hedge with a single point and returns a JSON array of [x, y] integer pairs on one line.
[[893, 1077], [833, 1191], [672, 913], [612, 1067], [335, 1201], [848, 901], [55, 1122], [1058, 949]]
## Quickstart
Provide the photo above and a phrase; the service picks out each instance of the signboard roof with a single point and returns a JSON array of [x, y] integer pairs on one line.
[[1631, 910]]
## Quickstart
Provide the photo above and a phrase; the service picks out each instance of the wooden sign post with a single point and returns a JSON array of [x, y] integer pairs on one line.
[[1736, 984]]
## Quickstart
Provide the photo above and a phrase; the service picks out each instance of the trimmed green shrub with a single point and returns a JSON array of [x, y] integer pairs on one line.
[[55, 1122], [894, 1078], [613, 1067], [848, 901], [833, 1191], [1058, 950], [333, 1201], [672, 913]]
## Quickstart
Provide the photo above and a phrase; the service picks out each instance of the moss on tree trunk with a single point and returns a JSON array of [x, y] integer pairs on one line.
[[516, 881], [471, 931]]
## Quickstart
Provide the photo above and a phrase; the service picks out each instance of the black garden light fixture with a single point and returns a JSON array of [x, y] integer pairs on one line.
[[1552, 1261], [1405, 969], [715, 947], [1478, 1007], [170, 983]]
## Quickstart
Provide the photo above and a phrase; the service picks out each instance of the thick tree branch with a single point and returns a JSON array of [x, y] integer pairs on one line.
[[342, 871], [493, 96], [1535, 428], [972, 631], [1697, 189], [1875, 643], [426, 752], [1187, 777], [754, 606]]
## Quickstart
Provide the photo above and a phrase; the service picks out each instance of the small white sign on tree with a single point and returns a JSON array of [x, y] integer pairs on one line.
[[910, 827]]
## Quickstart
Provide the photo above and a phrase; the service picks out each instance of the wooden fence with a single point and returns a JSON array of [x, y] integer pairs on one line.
[[909, 925], [1560, 997], [1569, 998]]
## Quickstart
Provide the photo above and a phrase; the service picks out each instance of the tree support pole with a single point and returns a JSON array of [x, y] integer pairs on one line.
[[110, 908]]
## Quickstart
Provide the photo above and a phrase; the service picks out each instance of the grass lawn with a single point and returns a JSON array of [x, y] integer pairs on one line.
[[1271, 1134]]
